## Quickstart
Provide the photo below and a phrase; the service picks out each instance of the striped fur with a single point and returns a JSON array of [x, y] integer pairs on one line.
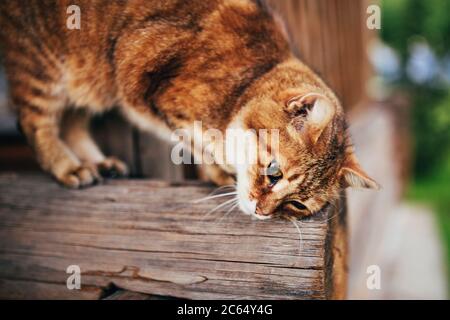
[[165, 64]]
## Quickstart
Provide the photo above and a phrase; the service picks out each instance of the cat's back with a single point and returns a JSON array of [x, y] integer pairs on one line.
[[40, 41], [48, 25], [31, 27], [62, 48]]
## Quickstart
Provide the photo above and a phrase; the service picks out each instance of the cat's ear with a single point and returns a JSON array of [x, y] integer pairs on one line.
[[311, 114], [352, 175]]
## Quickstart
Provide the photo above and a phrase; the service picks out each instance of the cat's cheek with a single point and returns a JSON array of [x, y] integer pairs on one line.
[[247, 206]]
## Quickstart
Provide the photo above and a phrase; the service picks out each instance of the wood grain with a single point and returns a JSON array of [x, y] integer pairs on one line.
[[149, 237]]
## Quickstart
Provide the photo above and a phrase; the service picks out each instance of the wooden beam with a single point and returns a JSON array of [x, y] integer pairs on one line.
[[149, 237]]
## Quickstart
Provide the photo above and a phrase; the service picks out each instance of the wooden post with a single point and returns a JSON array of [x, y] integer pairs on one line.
[[148, 237]]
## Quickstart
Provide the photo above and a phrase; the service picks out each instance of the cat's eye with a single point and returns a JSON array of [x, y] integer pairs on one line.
[[297, 205], [274, 172]]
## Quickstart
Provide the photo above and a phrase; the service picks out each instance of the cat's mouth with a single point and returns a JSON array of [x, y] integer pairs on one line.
[[262, 215], [282, 211], [250, 207]]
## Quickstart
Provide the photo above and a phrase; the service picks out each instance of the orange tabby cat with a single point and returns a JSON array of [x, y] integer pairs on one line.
[[166, 64]]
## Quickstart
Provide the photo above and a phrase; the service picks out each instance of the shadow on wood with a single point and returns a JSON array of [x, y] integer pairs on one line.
[[149, 237]]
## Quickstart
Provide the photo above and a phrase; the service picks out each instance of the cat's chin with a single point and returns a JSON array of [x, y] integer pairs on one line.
[[248, 207], [262, 217]]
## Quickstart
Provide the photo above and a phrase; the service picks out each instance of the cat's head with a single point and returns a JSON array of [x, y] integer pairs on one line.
[[312, 159]]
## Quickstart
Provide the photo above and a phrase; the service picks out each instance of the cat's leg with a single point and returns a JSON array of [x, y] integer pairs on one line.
[[40, 120], [75, 132], [216, 174]]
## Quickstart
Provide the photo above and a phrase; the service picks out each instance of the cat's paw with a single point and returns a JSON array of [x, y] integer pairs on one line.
[[79, 176], [112, 167]]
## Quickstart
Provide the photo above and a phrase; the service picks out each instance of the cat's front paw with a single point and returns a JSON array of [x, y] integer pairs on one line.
[[88, 174], [79, 176], [112, 167]]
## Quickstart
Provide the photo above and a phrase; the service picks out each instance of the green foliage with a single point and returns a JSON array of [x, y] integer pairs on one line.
[[431, 130], [404, 21], [434, 190], [436, 25]]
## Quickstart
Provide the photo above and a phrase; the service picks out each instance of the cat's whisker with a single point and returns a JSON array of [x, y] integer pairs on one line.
[[333, 202], [335, 206], [214, 196], [294, 222], [331, 218], [229, 205], [234, 205], [228, 186], [214, 192], [218, 207]]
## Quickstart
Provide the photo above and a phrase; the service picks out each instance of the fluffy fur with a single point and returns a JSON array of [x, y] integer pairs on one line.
[[166, 64]]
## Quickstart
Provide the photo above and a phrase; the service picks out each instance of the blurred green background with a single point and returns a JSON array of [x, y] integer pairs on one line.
[[419, 33]]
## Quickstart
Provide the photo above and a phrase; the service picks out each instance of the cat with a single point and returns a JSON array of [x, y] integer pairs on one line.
[[166, 64]]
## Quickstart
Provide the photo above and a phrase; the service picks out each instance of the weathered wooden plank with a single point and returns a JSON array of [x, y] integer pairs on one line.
[[41, 290], [149, 237]]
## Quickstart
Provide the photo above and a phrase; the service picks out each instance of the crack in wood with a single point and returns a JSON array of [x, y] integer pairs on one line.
[[138, 243], [133, 273]]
